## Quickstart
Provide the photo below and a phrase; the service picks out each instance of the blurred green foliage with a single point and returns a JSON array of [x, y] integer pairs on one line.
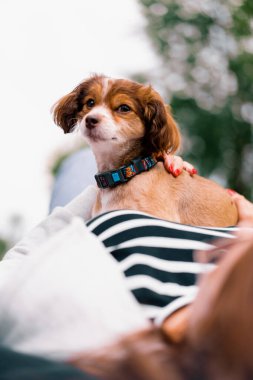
[[3, 247], [206, 73], [56, 166], [12, 232], [61, 156]]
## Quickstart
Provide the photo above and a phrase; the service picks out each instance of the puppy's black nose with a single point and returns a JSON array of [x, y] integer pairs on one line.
[[91, 122]]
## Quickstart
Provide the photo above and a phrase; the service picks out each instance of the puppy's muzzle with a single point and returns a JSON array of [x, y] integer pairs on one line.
[[91, 122]]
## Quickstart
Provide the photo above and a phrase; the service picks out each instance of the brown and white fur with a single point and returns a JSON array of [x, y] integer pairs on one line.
[[122, 120]]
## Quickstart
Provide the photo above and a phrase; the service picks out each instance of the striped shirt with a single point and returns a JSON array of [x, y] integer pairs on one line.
[[156, 256]]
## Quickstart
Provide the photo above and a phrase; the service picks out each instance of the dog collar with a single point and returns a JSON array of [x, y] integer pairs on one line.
[[124, 173]]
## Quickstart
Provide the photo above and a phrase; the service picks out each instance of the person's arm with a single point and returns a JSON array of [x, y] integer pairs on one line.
[[60, 218], [67, 296], [61, 292]]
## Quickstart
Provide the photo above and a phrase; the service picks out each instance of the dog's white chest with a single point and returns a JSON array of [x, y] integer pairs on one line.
[[106, 200]]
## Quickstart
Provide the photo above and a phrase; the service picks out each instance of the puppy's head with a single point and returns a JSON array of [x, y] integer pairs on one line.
[[118, 111]]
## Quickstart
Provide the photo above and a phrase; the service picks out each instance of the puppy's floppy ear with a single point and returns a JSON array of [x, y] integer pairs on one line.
[[162, 134], [65, 111]]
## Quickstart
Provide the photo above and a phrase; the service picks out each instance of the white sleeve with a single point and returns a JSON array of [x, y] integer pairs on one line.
[[82, 205], [67, 297], [56, 221]]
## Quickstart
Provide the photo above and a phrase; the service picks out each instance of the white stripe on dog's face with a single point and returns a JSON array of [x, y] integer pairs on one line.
[[106, 128], [105, 87]]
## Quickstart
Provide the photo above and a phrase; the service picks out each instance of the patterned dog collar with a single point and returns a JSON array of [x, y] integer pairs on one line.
[[124, 173]]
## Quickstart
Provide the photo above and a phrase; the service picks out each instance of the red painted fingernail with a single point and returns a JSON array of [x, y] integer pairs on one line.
[[171, 168], [177, 172], [231, 192], [194, 171]]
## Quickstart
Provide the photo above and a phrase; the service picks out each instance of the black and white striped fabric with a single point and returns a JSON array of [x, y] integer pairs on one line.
[[156, 257]]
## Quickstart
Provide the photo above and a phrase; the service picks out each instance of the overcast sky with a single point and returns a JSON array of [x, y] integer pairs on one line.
[[47, 48]]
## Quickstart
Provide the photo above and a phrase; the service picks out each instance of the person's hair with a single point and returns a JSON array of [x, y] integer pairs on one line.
[[145, 355]]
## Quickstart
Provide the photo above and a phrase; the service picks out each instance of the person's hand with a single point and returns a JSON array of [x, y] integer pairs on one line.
[[244, 235], [245, 209], [175, 165]]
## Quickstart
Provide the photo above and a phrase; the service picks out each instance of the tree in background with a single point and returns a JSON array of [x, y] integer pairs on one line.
[[206, 72]]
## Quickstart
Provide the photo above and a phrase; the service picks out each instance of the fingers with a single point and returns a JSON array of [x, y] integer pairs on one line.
[[190, 168], [245, 208], [175, 165]]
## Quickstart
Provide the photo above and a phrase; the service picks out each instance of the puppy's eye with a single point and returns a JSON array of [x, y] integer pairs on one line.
[[90, 103], [124, 108]]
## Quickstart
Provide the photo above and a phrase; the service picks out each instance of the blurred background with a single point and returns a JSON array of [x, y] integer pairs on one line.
[[197, 53]]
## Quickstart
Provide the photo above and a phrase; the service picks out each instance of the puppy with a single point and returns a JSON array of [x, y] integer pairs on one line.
[[123, 120]]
